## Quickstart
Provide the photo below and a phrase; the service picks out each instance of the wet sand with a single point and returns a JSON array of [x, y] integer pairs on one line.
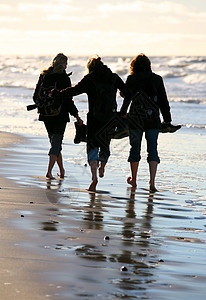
[[21, 270], [53, 233]]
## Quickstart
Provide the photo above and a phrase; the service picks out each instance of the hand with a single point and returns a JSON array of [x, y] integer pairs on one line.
[[55, 93], [79, 121], [123, 115]]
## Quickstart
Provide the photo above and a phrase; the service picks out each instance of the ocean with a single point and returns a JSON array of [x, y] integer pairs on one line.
[[184, 77]]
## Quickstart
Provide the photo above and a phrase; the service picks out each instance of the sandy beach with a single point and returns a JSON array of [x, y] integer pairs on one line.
[[53, 232]]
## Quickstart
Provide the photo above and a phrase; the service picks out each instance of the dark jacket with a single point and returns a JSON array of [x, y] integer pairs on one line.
[[87, 85], [152, 84], [59, 81]]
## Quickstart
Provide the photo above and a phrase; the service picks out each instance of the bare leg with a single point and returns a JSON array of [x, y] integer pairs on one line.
[[52, 160], [134, 168], [101, 169], [152, 170], [60, 165], [93, 166]]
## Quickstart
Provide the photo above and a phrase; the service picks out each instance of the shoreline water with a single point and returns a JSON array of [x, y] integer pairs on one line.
[[58, 245]]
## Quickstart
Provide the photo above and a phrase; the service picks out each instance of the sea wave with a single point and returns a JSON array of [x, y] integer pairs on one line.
[[168, 74], [15, 86], [182, 75], [188, 100], [198, 126], [185, 61], [195, 78]]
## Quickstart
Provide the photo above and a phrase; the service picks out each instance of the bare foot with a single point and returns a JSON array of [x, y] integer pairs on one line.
[[153, 189], [92, 187], [62, 173], [101, 171], [50, 176], [131, 181]]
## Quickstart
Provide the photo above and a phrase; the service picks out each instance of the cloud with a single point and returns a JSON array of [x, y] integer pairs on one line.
[[171, 20], [5, 8], [157, 16], [56, 11], [142, 6], [8, 19], [57, 7], [148, 7], [65, 17]]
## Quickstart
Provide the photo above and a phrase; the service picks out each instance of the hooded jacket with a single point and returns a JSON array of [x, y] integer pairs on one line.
[[88, 84], [151, 84], [59, 81]]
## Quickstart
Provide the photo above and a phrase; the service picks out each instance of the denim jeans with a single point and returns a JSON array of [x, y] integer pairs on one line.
[[55, 132], [135, 137], [98, 138], [100, 154]]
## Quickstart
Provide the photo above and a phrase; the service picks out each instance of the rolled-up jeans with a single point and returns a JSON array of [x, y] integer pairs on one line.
[[55, 132], [98, 139], [100, 154], [135, 138]]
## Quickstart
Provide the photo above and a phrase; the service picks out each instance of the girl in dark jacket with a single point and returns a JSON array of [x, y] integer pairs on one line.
[[55, 76], [143, 79], [99, 84]]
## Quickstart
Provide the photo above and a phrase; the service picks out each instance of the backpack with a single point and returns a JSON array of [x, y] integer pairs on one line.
[[105, 104], [47, 104], [144, 111]]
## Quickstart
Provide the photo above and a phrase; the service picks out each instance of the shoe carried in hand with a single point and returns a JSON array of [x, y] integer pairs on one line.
[[168, 127], [81, 133]]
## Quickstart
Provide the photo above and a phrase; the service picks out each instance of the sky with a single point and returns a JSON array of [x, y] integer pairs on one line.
[[104, 27]]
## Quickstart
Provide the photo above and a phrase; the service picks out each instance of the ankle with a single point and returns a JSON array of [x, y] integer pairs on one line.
[[132, 181], [49, 175]]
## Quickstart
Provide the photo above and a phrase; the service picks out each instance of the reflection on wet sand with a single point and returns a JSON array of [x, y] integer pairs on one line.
[[91, 252], [52, 189], [134, 260], [49, 226], [135, 251], [133, 255], [93, 217]]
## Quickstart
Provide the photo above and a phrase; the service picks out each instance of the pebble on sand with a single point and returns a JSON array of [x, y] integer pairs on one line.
[[123, 269]]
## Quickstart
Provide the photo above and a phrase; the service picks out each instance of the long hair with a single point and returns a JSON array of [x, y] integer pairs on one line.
[[94, 63], [57, 64], [140, 63]]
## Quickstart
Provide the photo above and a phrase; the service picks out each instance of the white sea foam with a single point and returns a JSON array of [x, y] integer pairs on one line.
[[195, 78]]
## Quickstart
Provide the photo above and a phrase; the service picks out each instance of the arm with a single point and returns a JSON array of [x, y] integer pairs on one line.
[[67, 95], [70, 106], [37, 89], [79, 88], [127, 97], [163, 102]]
